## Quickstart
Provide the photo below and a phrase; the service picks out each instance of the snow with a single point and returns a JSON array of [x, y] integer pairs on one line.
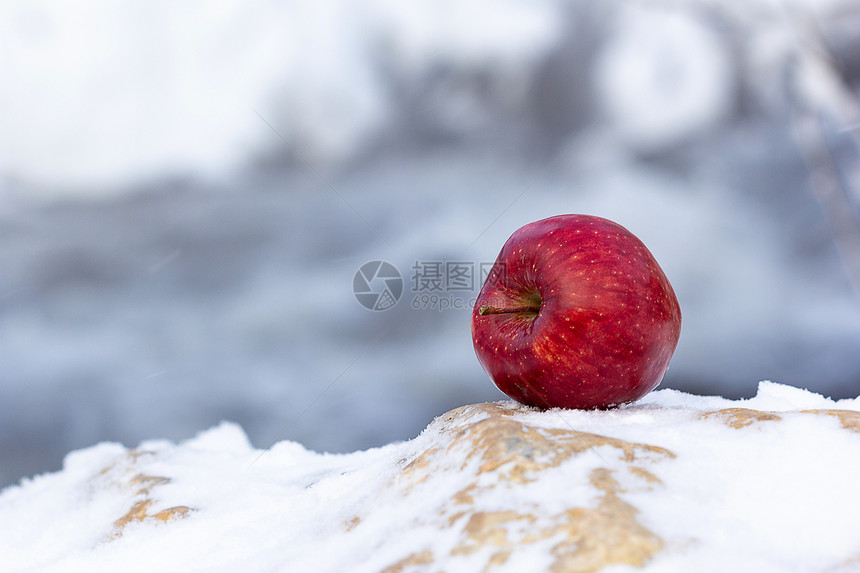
[[662, 77], [96, 99], [98, 96], [135, 316], [766, 497]]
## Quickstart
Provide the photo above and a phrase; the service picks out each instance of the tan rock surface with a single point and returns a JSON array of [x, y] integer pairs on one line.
[[502, 453], [123, 475], [677, 483]]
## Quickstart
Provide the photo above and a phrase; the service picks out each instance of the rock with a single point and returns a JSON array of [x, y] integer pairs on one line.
[[738, 418], [501, 509], [672, 483], [141, 487], [502, 518]]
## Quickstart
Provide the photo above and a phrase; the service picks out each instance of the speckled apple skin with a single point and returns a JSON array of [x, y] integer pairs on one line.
[[607, 327]]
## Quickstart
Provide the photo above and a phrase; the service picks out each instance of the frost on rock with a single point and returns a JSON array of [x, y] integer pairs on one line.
[[674, 482]]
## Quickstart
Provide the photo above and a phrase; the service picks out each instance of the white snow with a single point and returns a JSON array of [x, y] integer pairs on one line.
[[96, 99], [767, 497], [97, 96], [663, 76]]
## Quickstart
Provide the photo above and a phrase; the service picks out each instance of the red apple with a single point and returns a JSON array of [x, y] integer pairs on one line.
[[575, 313]]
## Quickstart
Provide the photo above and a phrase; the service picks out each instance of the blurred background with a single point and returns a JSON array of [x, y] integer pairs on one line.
[[188, 189]]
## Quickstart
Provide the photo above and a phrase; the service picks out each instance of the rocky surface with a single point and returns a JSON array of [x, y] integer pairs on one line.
[[500, 454], [673, 483]]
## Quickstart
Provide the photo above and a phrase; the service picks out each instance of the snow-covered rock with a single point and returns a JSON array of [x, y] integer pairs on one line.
[[674, 482]]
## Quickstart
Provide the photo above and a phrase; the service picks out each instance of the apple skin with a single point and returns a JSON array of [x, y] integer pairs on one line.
[[575, 313]]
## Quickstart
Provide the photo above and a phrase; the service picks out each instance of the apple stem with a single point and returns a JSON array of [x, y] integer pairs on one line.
[[487, 309]]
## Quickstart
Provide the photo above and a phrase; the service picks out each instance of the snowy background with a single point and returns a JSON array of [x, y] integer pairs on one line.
[[186, 192]]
